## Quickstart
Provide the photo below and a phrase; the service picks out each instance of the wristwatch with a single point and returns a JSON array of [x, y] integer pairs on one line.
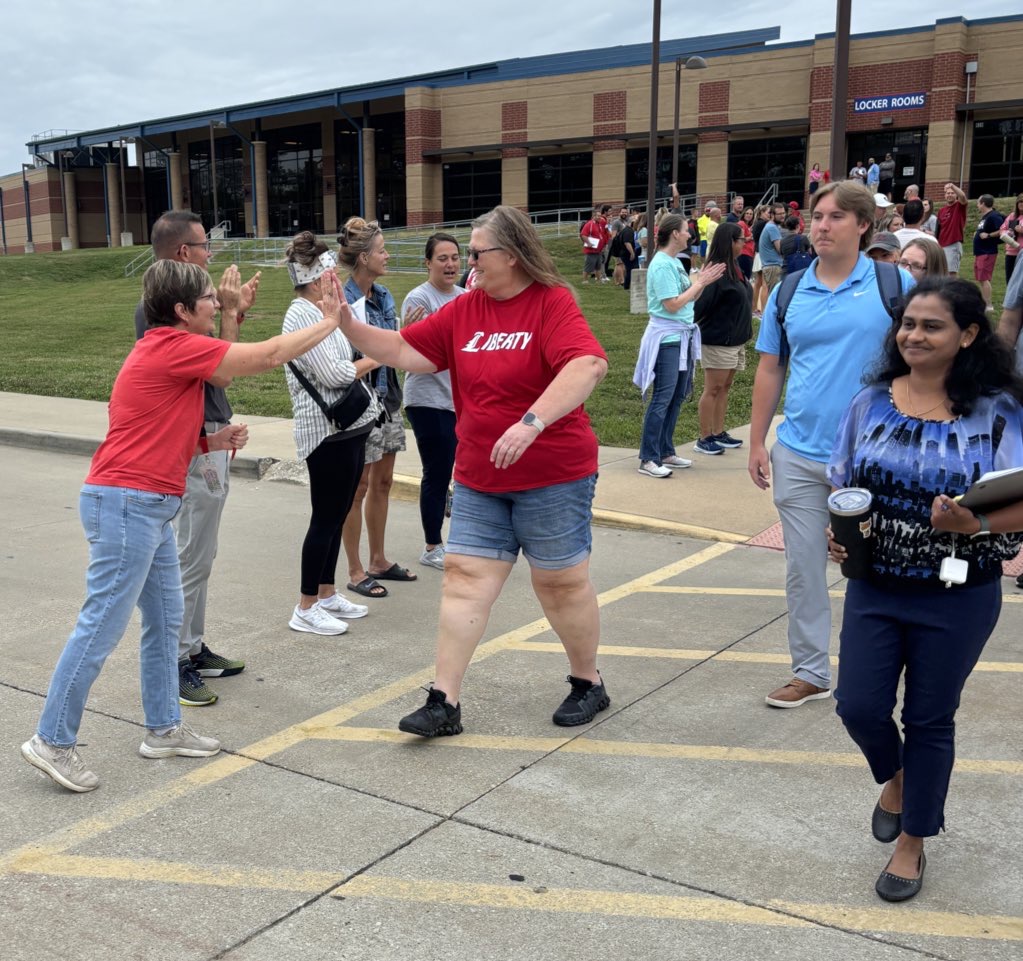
[[531, 420], [985, 527]]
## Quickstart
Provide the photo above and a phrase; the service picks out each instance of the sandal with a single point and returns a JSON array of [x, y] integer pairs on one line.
[[394, 573], [368, 587]]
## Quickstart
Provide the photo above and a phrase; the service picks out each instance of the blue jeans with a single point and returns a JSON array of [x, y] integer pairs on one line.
[[133, 559], [550, 525], [934, 638], [671, 387]]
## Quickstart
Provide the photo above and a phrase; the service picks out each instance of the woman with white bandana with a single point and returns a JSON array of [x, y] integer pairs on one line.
[[334, 458]]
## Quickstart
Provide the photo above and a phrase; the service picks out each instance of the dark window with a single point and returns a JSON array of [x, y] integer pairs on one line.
[[155, 181], [294, 161], [907, 147], [560, 181], [346, 171], [390, 152], [996, 166], [471, 188], [637, 170], [753, 165], [230, 199]]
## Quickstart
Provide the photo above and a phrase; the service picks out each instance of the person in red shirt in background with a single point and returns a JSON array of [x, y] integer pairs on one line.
[[595, 236], [522, 360], [131, 494], [794, 207], [951, 226]]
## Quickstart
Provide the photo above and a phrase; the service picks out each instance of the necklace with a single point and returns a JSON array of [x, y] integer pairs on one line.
[[912, 403]]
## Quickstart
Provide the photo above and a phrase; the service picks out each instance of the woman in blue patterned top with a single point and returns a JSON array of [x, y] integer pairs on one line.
[[943, 409]]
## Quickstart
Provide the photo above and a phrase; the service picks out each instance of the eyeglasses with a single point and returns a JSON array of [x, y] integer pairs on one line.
[[211, 297], [474, 254], [205, 245], [916, 268]]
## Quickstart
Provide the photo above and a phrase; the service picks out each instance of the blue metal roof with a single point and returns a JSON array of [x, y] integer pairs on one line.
[[579, 61]]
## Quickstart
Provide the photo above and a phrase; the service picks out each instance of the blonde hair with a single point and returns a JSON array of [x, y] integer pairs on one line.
[[355, 238], [934, 256], [854, 198], [170, 282], [513, 232]]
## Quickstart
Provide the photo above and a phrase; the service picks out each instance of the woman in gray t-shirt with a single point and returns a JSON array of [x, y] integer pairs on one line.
[[428, 403]]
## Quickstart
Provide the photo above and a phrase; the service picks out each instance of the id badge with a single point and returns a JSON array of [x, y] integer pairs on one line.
[[210, 475]]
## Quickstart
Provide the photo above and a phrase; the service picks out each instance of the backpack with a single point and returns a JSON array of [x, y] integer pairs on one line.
[[889, 287], [798, 258], [615, 249]]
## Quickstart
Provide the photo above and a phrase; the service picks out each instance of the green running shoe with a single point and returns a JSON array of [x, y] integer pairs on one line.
[[208, 664], [192, 689]]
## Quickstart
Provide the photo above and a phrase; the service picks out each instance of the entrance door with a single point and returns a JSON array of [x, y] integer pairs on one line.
[[907, 147]]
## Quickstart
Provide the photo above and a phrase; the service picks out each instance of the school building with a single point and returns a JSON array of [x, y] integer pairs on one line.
[[541, 133]]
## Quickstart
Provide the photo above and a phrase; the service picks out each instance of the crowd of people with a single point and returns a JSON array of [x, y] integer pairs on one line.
[[499, 365]]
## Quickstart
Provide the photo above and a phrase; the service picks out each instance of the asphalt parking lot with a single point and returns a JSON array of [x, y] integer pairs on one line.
[[689, 821]]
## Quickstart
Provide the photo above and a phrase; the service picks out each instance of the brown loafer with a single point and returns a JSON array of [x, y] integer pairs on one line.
[[796, 693]]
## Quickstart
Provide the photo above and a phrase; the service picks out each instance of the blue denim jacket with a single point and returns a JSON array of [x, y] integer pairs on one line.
[[380, 312]]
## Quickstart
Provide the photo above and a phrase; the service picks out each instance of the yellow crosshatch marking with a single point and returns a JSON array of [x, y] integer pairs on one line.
[[50, 856]]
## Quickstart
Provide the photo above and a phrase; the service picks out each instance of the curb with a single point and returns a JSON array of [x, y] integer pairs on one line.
[[405, 486]]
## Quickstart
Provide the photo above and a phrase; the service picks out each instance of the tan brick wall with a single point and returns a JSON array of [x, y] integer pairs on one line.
[[515, 181]]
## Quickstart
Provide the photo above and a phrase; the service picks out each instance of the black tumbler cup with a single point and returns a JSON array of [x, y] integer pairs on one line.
[[849, 508]]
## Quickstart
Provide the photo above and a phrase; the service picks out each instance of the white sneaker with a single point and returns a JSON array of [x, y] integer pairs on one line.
[[339, 606], [63, 764], [181, 742], [315, 620], [676, 462], [434, 558], [651, 469]]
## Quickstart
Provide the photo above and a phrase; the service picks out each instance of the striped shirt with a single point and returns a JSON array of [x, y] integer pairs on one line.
[[330, 368]]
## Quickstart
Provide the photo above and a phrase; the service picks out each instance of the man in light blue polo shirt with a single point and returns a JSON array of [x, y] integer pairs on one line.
[[835, 325]]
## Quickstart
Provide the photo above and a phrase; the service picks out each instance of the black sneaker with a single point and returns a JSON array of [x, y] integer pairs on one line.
[[208, 664], [724, 439], [582, 704], [1019, 582], [436, 718]]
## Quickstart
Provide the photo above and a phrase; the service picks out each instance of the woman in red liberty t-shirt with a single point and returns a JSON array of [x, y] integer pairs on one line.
[[131, 495], [522, 360]]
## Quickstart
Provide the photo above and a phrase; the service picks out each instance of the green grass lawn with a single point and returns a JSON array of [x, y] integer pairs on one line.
[[67, 323]]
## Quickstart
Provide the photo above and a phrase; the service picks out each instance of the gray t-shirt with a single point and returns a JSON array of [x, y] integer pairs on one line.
[[1014, 301], [216, 406], [429, 390]]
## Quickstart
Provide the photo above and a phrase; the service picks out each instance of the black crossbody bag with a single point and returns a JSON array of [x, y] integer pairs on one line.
[[347, 409]]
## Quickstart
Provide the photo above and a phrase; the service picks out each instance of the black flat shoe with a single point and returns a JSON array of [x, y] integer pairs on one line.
[[890, 887], [884, 825]]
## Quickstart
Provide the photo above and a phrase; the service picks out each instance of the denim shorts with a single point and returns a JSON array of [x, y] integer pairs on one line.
[[551, 525]]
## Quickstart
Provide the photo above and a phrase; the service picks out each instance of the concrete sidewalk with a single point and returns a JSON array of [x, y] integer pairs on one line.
[[713, 500]]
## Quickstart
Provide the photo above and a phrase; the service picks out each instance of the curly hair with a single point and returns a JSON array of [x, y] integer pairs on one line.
[[985, 368]]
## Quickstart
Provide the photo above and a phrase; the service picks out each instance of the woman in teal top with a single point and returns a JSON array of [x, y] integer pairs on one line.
[[670, 346]]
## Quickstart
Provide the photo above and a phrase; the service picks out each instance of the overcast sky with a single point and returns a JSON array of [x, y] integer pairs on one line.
[[97, 63]]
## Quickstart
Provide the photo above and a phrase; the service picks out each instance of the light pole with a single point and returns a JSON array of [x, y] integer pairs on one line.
[[691, 63], [651, 181], [213, 172]]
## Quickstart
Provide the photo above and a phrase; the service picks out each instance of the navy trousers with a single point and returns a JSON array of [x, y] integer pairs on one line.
[[936, 638]]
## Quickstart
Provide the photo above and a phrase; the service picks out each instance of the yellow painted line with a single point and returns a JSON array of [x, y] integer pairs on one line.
[[763, 592], [564, 901], [227, 765], [667, 907], [169, 872], [894, 920], [674, 752], [745, 657], [83, 830], [621, 520], [580, 901]]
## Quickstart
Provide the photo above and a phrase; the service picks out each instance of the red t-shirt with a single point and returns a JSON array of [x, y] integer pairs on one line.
[[597, 230], [502, 355], [951, 223], [156, 412]]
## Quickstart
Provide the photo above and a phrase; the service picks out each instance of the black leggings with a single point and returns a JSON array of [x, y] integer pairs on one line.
[[334, 471], [435, 437]]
